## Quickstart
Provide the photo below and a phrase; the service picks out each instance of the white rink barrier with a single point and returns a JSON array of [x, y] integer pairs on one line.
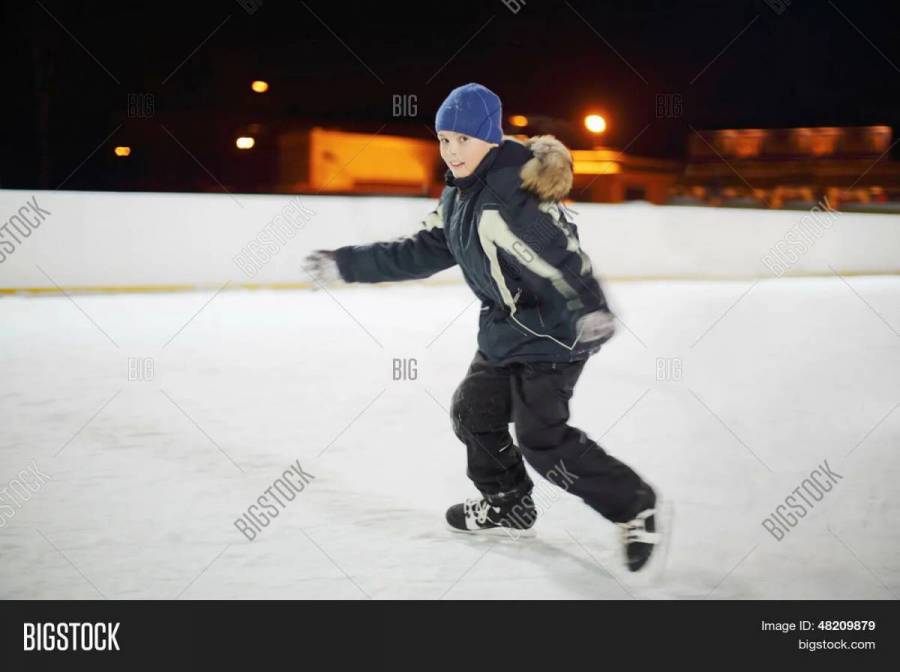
[[108, 241]]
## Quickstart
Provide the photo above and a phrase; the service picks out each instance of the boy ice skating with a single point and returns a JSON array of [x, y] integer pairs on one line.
[[542, 315]]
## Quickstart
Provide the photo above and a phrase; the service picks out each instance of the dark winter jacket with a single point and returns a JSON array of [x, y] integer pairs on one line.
[[505, 228]]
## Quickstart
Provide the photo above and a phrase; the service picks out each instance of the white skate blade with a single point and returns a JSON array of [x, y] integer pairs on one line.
[[497, 532]]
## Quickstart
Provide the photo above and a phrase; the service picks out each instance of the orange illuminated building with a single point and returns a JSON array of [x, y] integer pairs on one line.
[[609, 176], [328, 161], [320, 160], [791, 167], [795, 167]]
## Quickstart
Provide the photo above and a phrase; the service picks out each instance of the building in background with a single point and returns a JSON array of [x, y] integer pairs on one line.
[[776, 168], [330, 161], [609, 176], [792, 168]]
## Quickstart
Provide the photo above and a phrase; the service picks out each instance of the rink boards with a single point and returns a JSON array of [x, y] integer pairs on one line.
[[101, 241]]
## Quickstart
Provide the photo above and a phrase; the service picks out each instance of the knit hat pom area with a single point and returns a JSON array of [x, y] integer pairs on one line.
[[473, 110]]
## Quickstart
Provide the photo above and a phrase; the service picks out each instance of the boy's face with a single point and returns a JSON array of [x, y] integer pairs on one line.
[[462, 153]]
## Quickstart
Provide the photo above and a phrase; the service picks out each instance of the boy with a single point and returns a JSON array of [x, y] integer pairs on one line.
[[542, 315]]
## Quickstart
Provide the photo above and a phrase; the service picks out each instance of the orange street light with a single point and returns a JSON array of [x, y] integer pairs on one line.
[[259, 86], [518, 120], [122, 151], [595, 123], [245, 142]]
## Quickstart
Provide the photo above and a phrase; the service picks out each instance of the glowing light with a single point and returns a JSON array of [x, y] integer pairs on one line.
[[519, 120], [597, 167], [244, 142], [259, 86], [595, 123], [122, 151]]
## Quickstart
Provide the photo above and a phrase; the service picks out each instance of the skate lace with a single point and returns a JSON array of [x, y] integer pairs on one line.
[[635, 530], [478, 509]]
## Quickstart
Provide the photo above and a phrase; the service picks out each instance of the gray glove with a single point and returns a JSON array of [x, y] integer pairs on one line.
[[322, 266], [597, 326]]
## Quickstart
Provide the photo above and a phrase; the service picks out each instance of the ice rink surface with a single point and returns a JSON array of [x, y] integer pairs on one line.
[[148, 476]]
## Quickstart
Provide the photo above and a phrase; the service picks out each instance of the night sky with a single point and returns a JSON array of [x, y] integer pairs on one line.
[[69, 67]]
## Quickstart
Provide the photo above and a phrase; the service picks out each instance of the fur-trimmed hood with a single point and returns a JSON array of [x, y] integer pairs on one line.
[[548, 174]]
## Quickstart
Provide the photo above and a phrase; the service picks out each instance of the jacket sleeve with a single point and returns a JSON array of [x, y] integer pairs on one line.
[[535, 238], [416, 256]]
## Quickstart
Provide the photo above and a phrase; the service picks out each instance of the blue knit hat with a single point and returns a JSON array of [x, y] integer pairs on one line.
[[471, 109]]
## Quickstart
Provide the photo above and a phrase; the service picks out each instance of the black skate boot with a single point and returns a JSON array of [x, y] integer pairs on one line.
[[640, 535], [513, 516]]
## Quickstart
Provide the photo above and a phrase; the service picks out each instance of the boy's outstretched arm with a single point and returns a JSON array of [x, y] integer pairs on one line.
[[416, 256]]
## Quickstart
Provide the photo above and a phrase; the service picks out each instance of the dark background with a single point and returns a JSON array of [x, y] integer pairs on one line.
[[753, 64]]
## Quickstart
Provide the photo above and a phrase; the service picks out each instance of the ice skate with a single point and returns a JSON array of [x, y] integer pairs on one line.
[[514, 518], [641, 536]]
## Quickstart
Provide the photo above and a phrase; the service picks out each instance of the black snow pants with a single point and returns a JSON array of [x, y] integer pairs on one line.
[[535, 396]]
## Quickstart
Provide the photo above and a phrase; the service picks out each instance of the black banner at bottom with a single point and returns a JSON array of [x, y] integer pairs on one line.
[[168, 635]]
